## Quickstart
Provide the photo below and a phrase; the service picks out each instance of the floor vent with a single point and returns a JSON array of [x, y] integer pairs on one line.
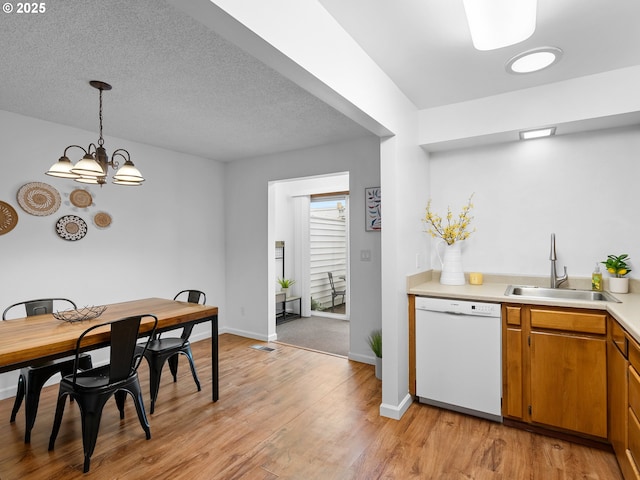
[[263, 348]]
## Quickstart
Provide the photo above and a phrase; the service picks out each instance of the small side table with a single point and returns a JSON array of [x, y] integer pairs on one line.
[[283, 300]]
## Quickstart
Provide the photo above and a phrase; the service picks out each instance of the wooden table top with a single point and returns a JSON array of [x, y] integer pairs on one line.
[[43, 336]]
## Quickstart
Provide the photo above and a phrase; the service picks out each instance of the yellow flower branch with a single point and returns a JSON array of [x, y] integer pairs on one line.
[[452, 231]]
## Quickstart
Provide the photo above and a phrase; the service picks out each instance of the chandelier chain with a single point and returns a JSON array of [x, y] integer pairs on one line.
[[100, 140]]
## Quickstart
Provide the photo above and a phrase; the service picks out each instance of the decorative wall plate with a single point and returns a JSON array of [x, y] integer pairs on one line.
[[81, 198], [38, 198], [8, 218], [71, 227], [102, 220]]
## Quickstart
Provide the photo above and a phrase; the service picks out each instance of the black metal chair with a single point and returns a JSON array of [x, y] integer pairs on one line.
[[335, 293], [163, 349], [92, 388], [33, 377]]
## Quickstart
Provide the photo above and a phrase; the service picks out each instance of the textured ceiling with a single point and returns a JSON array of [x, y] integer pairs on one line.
[[176, 84]]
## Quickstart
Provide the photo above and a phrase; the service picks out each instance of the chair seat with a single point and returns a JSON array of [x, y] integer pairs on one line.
[[55, 364], [90, 379], [165, 344]]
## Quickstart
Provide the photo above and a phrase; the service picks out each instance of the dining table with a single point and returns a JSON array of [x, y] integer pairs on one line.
[[25, 341]]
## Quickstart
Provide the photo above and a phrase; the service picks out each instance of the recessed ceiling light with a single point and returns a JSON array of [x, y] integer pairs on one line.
[[537, 133], [534, 60], [499, 23]]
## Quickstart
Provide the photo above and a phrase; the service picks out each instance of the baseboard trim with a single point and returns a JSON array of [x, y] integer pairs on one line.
[[244, 333], [396, 412], [357, 357]]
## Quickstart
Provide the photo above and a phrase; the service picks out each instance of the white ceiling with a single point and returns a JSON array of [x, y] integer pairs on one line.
[[425, 45], [179, 86]]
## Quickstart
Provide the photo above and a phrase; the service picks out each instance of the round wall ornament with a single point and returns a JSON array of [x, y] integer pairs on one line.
[[8, 218], [71, 227], [102, 220], [80, 198], [38, 198]]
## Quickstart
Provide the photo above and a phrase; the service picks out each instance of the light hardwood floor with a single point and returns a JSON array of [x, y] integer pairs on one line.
[[286, 414]]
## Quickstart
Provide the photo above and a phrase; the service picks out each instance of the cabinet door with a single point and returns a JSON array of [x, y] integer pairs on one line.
[[512, 384], [512, 370], [569, 382], [618, 404]]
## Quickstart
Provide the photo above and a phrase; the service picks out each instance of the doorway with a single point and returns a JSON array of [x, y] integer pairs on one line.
[[328, 254], [319, 321]]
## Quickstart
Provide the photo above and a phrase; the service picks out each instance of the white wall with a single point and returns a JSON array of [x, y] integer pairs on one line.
[[166, 235], [249, 285], [579, 186]]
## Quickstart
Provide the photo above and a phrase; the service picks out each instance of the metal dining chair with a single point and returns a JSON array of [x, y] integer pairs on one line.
[[32, 378], [166, 349], [335, 293], [93, 388]]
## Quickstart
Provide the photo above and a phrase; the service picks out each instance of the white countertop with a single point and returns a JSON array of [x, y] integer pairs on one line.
[[626, 313]]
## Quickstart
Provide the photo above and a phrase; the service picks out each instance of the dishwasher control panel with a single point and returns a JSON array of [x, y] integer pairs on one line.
[[459, 307]]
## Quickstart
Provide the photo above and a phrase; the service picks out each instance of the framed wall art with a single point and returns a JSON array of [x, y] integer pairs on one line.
[[372, 209]]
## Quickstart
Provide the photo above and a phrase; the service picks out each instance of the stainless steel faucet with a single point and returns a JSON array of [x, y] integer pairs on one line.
[[555, 279]]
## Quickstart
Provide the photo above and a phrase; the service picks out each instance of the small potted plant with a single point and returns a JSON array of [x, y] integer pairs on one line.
[[617, 266], [375, 342], [285, 285]]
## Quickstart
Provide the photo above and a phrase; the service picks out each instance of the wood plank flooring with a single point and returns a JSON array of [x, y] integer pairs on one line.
[[286, 414]]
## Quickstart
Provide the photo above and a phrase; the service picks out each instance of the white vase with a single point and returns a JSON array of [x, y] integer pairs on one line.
[[379, 368], [619, 284], [451, 261], [285, 291]]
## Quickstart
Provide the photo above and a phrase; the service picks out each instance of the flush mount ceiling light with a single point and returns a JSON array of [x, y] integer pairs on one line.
[[534, 60], [499, 23], [537, 133], [94, 165]]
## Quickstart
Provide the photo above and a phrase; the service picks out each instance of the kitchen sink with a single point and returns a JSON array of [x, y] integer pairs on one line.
[[559, 294]]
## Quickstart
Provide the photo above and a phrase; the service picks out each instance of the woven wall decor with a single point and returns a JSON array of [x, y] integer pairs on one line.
[[38, 198], [71, 227], [81, 198], [102, 220], [8, 218]]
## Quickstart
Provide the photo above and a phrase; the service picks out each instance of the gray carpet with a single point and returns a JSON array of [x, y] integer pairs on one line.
[[329, 335]]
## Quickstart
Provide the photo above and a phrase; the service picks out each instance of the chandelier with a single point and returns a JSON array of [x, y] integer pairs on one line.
[[94, 165]]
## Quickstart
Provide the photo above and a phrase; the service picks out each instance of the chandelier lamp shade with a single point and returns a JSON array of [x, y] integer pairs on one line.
[[93, 167]]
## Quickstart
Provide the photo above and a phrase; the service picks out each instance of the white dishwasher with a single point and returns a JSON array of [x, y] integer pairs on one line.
[[459, 356]]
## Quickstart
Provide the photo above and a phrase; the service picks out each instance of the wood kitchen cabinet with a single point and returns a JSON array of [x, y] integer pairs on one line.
[[632, 453], [555, 368], [617, 372], [512, 363]]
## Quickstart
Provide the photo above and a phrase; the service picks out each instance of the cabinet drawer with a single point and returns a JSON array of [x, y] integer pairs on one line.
[[618, 337], [570, 321], [512, 315]]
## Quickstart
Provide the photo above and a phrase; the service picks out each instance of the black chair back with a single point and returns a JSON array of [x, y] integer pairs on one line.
[[39, 307], [191, 296], [124, 336]]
